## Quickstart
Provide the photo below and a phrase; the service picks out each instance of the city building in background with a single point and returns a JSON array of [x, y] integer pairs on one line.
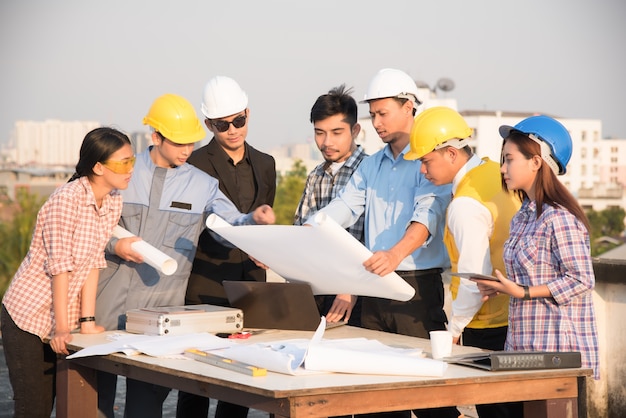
[[41, 155], [140, 140], [51, 143], [596, 173]]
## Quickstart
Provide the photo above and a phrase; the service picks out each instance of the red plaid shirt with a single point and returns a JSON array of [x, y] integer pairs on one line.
[[70, 235]]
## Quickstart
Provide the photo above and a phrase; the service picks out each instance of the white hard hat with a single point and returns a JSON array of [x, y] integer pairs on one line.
[[390, 82], [223, 97]]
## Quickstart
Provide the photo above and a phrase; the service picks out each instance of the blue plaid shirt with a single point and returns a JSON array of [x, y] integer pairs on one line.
[[554, 251], [322, 187]]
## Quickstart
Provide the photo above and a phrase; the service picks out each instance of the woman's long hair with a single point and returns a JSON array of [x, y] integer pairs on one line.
[[97, 147], [548, 188]]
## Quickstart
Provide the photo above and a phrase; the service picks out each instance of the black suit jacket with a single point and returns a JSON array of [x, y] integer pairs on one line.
[[215, 262]]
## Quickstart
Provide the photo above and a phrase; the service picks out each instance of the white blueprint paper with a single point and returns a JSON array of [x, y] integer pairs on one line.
[[325, 255], [348, 355], [283, 356], [362, 356], [293, 357], [156, 346]]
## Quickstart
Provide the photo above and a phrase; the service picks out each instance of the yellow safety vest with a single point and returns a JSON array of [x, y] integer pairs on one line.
[[483, 184]]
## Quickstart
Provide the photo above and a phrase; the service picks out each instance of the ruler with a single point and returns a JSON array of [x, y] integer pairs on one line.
[[225, 363]]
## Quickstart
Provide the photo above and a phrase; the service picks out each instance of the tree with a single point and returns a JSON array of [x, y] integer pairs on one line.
[[605, 223], [288, 192], [16, 234]]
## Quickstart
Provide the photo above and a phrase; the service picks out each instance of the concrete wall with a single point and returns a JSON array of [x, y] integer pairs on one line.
[[607, 397]]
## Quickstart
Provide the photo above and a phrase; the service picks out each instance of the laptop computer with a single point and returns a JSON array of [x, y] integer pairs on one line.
[[275, 305]]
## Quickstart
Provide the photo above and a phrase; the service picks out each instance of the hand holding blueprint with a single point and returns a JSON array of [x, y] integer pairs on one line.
[[325, 255]]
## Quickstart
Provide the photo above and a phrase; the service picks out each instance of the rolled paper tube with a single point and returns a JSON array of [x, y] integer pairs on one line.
[[151, 255]]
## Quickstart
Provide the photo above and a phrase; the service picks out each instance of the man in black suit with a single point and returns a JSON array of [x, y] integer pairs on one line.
[[248, 178]]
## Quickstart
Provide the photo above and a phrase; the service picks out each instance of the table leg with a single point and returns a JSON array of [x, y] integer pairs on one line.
[[80, 381]]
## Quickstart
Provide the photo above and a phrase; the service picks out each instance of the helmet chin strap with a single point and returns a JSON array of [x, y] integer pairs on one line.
[[457, 143], [546, 154], [411, 97]]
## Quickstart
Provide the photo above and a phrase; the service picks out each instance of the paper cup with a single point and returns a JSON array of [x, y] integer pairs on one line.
[[441, 344]]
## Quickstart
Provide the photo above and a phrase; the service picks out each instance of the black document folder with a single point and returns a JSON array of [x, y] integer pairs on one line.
[[519, 360]]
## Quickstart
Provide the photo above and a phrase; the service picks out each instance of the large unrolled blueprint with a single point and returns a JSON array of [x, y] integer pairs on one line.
[[293, 356], [324, 255], [151, 255], [351, 355]]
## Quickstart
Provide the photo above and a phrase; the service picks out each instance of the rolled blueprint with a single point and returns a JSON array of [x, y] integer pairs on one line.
[[152, 256]]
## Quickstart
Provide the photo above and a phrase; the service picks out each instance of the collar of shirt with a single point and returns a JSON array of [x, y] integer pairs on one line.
[[225, 157], [387, 152], [144, 160], [528, 209], [90, 199], [352, 162], [355, 158], [473, 162]]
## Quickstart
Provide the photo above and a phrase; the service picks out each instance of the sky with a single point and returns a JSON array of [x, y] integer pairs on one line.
[[108, 60]]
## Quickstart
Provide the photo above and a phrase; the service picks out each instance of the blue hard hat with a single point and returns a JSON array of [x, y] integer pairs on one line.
[[548, 130]]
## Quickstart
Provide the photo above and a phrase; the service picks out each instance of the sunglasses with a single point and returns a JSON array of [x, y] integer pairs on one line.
[[120, 167], [223, 125]]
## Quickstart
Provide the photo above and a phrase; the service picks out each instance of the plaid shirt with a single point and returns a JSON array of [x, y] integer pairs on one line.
[[322, 187], [554, 251], [70, 235]]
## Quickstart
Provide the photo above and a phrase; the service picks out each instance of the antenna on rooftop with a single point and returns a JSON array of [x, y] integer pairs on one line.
[[443, 84]]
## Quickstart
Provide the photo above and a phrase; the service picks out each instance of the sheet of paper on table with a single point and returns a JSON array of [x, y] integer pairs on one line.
[[293, 357], [325, 255], [153, 345], [348, 355]]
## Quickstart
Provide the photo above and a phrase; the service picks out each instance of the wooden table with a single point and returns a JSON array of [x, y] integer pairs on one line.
[[547, 393]]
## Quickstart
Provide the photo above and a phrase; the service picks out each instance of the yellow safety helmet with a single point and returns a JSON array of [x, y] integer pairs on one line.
[[435, 128], [175, 118]]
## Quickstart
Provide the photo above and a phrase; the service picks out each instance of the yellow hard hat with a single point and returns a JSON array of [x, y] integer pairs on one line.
[[435, 126], [175, 118]]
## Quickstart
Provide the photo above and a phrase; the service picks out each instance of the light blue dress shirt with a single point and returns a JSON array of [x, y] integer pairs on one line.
[[393, 193]]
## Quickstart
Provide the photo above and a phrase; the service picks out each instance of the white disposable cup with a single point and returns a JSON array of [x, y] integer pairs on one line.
[[441, 344]]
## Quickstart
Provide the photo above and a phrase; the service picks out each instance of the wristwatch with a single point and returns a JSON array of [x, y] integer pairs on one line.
[[526, 292]]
